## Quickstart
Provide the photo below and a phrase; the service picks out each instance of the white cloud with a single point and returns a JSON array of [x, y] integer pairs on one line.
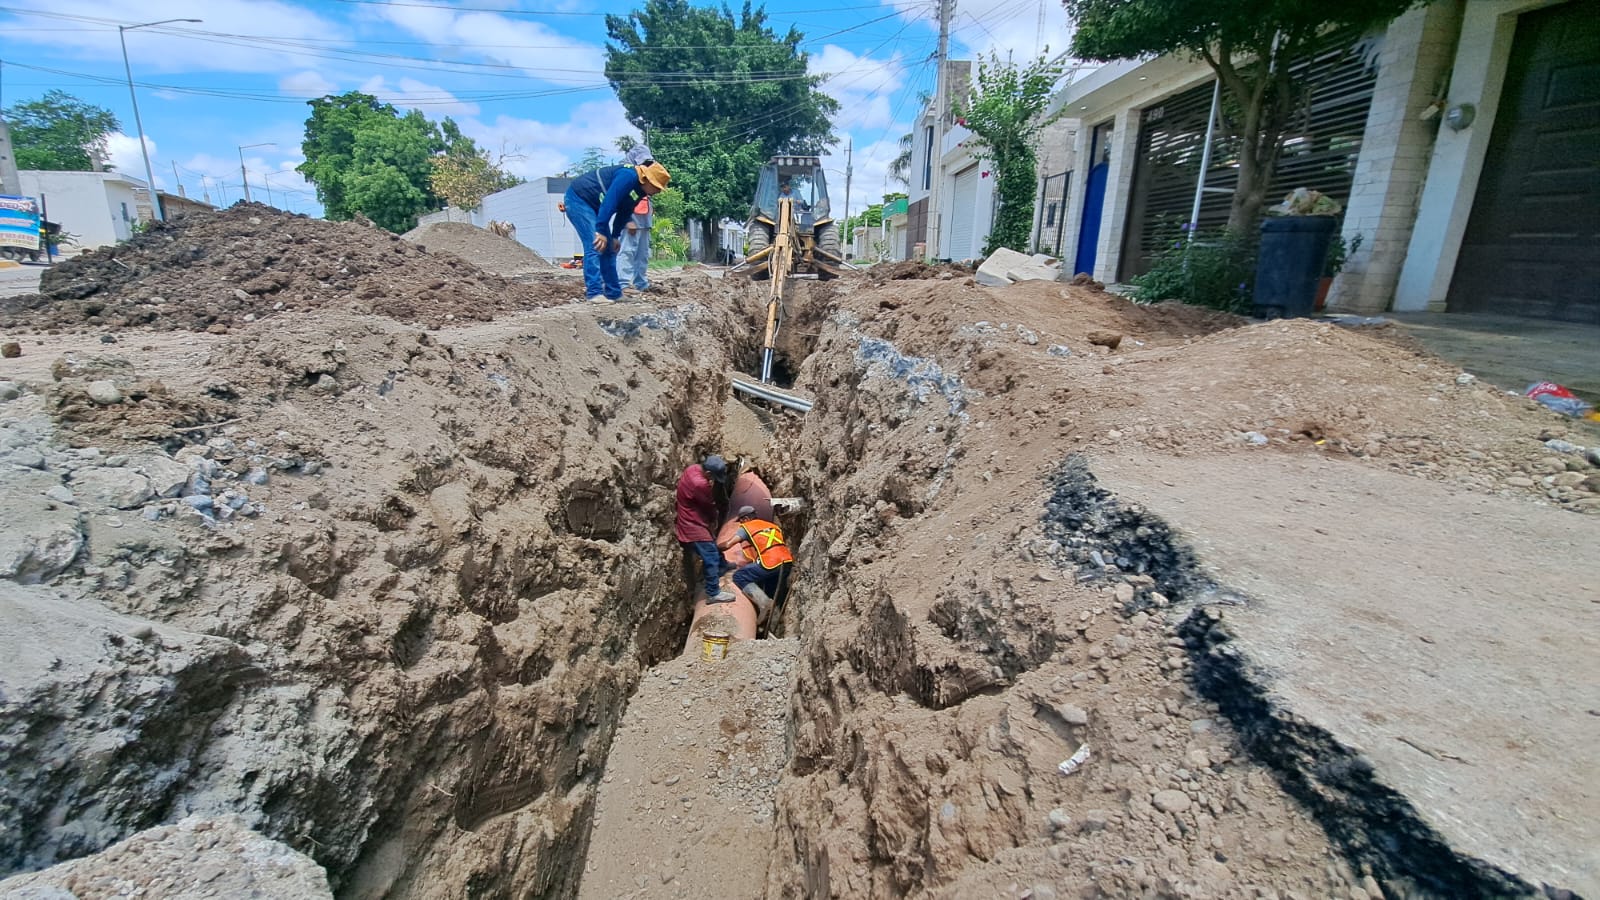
[[308, 84], [156, 50], [862, 85], [532, 47], [435, 102], [980, 27], [123, 150], [870, 164], [536, 149]]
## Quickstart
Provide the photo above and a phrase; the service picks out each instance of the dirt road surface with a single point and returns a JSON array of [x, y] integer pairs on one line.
[[1453, 639]]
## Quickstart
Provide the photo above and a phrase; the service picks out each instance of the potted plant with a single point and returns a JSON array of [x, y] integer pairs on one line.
[[1293, 251], [1339, 252]]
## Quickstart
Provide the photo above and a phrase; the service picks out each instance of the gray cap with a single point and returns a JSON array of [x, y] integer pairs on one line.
[[715, 467]]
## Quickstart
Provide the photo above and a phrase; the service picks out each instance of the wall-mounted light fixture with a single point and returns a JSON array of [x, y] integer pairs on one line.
[[1460, 116]]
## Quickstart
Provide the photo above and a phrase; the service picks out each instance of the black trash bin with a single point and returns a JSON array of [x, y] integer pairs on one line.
[[1293, 250]]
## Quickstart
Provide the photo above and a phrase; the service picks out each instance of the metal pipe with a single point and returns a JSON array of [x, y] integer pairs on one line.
[[772, 394], [1205, 160]]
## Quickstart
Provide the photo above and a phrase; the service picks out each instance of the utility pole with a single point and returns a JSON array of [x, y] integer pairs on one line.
[[849, 148], [941, 100], [144, 149], [176, 180], [244, 174]]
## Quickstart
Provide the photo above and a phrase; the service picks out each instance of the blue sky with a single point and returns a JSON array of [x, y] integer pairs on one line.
[[522, 77]]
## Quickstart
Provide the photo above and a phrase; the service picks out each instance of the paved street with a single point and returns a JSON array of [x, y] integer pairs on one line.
[[21, 280]]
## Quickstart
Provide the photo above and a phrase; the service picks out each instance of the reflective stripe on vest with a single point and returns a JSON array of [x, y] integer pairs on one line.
[[767, 539]]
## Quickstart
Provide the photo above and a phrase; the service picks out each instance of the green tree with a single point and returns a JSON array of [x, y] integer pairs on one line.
[[1250, 44], [715, 171], [462, 177], [364, 157], [60, 133], [592, 158], [1005, 114], [715, 96], [667, 237], [900, 166]]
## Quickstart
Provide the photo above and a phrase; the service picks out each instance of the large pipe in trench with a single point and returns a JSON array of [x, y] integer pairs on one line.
[[737, 619]]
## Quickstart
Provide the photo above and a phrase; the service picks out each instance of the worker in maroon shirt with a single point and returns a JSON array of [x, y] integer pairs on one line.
[[698, 516]]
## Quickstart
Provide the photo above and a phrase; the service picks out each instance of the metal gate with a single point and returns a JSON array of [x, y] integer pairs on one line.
[[1532, 245], [1053, 213], [1320, 151]]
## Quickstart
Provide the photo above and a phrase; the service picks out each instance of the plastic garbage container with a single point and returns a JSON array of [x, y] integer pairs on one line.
[[1293, 249]]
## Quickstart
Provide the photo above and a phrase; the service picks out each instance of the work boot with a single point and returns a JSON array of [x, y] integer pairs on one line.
[[721, 597], [761, 600]]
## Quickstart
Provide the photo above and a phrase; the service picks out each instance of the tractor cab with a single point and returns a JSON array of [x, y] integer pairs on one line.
[[798, 177]]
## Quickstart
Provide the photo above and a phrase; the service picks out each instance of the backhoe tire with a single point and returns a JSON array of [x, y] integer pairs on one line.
[[828, 242], [760, 239]]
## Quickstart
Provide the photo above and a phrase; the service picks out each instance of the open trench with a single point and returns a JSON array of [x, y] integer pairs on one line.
[[427, 663]]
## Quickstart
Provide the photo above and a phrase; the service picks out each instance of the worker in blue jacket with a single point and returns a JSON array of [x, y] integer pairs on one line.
[[599, 206]]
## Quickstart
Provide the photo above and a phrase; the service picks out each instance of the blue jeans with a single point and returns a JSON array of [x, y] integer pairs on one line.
[[770, 580], [710, 558], [633, 265], [599, 269]]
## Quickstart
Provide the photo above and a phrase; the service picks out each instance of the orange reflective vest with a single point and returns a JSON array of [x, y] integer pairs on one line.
[[767, 540]]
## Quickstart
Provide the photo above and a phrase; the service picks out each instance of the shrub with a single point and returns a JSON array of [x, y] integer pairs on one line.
[[1215, 269]]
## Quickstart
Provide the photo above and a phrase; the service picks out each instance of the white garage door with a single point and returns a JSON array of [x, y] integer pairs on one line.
[[964, 215]]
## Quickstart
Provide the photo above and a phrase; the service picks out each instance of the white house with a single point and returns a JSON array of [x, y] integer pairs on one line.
[[1461, 140], [96, 208], [966, 186], [967, 193], [534, 208]]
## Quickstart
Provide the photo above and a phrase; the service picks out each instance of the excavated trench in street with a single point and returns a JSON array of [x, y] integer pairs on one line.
[[1087, 529], [440, 660]]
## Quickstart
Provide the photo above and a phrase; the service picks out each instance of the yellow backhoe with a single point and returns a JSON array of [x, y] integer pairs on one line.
[[791, 233]]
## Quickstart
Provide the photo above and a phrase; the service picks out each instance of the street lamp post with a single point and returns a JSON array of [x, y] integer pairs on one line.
[[149, 173], [246, 175]]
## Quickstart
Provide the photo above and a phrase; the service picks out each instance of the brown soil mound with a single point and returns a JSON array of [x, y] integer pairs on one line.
[[250, 261], [909, 269], [484, 249]]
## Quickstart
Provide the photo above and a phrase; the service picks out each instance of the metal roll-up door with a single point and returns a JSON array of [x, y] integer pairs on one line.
[[964, 214]]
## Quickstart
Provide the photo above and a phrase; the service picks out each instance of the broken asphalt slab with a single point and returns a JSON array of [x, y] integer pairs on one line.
[[1443, 643]]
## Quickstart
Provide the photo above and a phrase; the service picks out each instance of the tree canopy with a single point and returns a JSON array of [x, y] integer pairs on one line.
[[463, 180], [364, 157], [60, 133], [1251, 45], [1005, 114], [715, 96]]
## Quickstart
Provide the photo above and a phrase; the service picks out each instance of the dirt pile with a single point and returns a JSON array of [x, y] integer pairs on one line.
[[974, 613], [250, 262], [385, 591], [484, 249], [194, 859]]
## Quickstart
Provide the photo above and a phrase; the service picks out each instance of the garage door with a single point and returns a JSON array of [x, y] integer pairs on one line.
[[964, 215], [1532, 246]]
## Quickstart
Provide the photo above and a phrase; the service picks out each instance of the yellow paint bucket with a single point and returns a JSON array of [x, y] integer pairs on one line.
[[714, 645]]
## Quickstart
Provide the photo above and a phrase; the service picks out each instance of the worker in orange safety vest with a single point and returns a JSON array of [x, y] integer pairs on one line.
[[765, 577]]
